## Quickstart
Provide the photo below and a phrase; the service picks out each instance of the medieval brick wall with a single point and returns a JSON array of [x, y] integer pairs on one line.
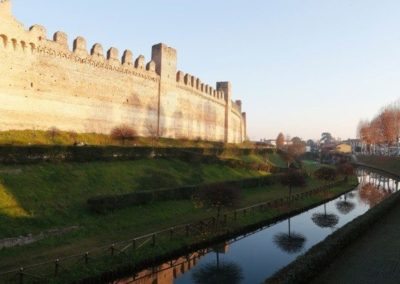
[[44, 84]]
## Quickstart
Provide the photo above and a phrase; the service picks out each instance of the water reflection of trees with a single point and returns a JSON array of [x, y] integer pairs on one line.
[[365, 176], [371, 195], [345, 206], [290, 242], [218, 272], [215, 273], [325, 220]]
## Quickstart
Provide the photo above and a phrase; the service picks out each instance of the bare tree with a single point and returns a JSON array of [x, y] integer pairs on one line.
[[123, 133], [280, 141], [297, 147], [217, 196], [325, 173], [345, 169], [293, 178], [364, 133], [383, 131], [74, 136], [388, 126], [52, 133]]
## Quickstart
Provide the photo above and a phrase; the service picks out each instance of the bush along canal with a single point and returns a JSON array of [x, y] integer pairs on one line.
[[255, 256]]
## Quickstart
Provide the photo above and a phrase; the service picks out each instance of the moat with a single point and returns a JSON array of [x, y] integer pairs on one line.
[[254, 257]]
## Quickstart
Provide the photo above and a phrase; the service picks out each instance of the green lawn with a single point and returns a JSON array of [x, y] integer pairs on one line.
[[276, 160], [34, 198], [41, 137]]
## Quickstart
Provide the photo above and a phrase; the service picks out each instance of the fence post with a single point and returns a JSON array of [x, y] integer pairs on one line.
[[21, 275], [86, 258], [56, 266], [112, 249]]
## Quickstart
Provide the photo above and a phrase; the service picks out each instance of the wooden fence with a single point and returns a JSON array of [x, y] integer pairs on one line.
[[49, 271]]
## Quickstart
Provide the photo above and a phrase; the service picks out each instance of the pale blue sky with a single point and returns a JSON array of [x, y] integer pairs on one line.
[[300, 66]]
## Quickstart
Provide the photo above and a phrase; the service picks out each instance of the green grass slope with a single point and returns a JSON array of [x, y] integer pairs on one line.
[[37, 197]]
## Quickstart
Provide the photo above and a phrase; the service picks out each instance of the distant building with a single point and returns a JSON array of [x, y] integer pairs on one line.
[[269, 141], [343, 148], [356, 144], [264, 145]]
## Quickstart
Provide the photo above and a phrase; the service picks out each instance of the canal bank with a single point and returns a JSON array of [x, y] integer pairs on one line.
[[121, 254], [366, 250], [253, 223], [372, 258], [256, 255]]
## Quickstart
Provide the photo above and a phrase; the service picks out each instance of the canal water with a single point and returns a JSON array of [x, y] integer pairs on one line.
[[254, 257]]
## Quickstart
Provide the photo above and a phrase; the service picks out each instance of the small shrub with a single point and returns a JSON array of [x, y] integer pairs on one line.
[[217, 196], [293, 178], [325, 173], [345, 169], [123, 133]]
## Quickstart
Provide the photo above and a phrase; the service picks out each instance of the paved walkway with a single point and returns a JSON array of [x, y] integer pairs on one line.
[[374, 258]]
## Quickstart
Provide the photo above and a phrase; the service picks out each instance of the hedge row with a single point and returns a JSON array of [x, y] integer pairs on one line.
[[307, 266], [104, 203], [36, 154]]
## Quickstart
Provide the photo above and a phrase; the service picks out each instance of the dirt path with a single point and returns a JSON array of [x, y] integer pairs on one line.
[[374, 258]]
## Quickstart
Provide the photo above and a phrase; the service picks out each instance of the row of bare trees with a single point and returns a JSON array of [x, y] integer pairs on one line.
[[383, 130]]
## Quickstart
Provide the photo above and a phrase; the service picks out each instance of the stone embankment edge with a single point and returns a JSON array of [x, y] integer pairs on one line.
[[307, 266], [127, 270]]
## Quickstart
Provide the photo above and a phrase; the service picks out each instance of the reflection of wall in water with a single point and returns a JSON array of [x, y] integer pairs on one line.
[[165, 273]]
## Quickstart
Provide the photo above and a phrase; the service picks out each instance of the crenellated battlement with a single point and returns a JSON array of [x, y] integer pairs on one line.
[[71, 85], [38, 44], [194, 83], [5, 6]]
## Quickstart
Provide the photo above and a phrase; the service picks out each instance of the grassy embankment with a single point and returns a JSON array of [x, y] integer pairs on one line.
[[35, 198], [390, 164], [40, 137]]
